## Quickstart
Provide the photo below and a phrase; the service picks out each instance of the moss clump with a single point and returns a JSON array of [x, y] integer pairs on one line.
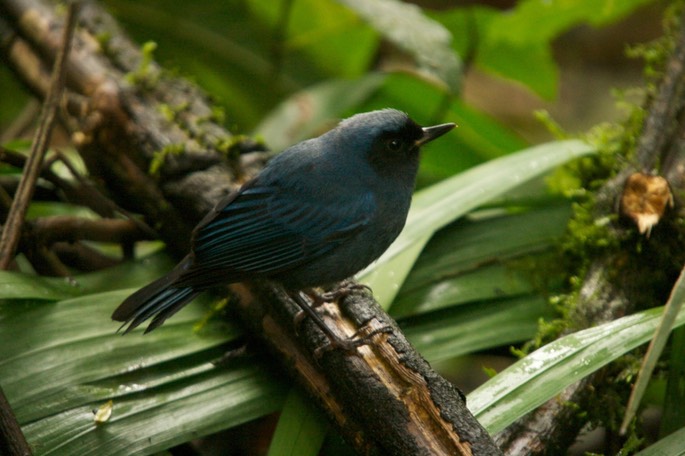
[[171, 113], [160, 156], [146, 75]]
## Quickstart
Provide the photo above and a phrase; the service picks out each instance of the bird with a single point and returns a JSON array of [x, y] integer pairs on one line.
[[319, 212]]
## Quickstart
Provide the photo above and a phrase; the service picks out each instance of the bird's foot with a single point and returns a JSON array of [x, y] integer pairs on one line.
[[319, 299], [350, 344]]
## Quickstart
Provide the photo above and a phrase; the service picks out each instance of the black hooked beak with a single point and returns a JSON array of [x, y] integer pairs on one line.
[[430, 133]]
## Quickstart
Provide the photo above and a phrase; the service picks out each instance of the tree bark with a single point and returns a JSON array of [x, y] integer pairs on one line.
[[384, 400]]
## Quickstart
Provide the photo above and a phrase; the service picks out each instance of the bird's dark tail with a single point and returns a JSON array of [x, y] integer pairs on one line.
[[158, 300]]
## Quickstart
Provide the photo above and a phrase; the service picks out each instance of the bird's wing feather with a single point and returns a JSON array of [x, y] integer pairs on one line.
[[263, 231]]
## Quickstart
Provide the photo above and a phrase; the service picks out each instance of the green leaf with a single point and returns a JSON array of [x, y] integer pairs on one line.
[[464, 261], [542, 20], [482, 284], [531, 64], [405, 26], [479, 326], [126, 275], [60, 360], [546, 372], [301, 428], [516, 44], [672, 445], [15, 285]]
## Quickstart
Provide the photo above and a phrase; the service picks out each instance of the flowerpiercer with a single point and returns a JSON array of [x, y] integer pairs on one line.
[[318, 213]]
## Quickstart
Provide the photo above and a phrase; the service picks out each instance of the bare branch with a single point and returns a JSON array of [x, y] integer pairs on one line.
[[15, 219]]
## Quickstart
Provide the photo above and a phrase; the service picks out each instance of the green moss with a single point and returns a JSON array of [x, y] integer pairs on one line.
[[160, 156], [655, 54], [145, 76], [171, 113], [103, 39], [229, 145], [544, 117], [218, 114]]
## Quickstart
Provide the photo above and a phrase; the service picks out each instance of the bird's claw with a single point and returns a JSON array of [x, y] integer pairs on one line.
[[350, 344]]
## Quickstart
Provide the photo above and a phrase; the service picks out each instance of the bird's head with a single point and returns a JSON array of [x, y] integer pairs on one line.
[[388, 139]]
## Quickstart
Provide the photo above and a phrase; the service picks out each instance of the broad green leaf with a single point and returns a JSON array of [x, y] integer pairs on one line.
[[301, 428], [60, 360], [517, 45], [542, 20], [464, 262], [531, 64], [467, 24], [671, 445], [440, 204], [161, 418], [482, 133], [546, 372], [485, 283], [479, 326], [126, 275], [15, 285], [405, 26]]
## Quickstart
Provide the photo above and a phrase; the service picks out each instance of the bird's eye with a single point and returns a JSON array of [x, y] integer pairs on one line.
[[393, 144]]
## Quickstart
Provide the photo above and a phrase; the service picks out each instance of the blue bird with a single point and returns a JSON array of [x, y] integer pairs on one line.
[[318, 213]]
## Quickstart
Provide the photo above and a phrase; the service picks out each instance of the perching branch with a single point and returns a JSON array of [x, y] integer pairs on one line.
[[387, 400]]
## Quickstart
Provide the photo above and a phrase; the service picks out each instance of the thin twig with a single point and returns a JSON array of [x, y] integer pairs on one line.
[[65, 228], [90, 196], [15, 219]]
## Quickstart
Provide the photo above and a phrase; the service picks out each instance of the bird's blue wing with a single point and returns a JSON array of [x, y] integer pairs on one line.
[[261, 231]]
